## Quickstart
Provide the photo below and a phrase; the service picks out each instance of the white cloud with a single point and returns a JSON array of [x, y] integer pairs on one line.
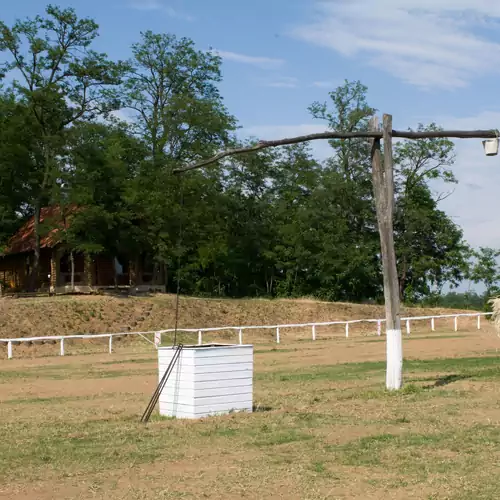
[[259, 61], [326, 84], [321, 149], [159, 6], [124, 115], [283, 82], [427, 43]]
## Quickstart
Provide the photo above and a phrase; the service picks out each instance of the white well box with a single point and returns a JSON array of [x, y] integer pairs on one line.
[[206, 380]]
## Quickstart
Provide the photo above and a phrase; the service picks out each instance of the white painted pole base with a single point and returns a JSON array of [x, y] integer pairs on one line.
[[394, 374], [9, 349], [379, 328]]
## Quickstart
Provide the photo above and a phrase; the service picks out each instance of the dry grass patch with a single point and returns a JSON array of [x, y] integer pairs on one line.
[[322, 430]]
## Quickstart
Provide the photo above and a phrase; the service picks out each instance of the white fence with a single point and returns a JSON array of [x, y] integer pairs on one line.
[[240, 329]]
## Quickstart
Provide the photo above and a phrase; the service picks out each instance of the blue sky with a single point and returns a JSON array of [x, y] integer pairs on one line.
[[422, 60]]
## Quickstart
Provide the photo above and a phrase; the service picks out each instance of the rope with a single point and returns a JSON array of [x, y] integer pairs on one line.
[[179, 246]]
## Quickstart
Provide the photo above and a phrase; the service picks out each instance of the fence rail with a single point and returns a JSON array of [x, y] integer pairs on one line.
[[240, 329]]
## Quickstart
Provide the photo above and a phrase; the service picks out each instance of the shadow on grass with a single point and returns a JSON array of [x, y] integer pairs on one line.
[[261, 409], [447, 379]]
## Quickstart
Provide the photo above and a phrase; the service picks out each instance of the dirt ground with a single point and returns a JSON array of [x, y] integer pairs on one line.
[[324, 426]]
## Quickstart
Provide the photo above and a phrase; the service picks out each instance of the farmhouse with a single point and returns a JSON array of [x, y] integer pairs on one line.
[[61, 272]]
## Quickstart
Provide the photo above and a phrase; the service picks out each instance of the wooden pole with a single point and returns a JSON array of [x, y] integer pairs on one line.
[[383, 187], [331, 134]]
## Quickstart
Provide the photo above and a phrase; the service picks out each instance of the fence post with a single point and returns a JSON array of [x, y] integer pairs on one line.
[[110, 344], [408, 330], [456, 323], [347, 330], [200, 338], [157, 339], [62, 347], [9, 349], [433, 325], [479, 322], [379, 328], [240, 336], [277, 334], [314, 332]]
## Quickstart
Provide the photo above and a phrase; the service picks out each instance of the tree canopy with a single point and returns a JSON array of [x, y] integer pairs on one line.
[[274, 223]]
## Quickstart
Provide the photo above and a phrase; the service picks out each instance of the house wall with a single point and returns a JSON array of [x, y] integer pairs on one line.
[[98, 271], [15, 270]]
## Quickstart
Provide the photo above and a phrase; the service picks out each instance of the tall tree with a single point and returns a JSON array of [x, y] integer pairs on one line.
[[350, 242], [173, 89], [16, 160], [429, 245], [486, 270], [61, 80], [178, 111]]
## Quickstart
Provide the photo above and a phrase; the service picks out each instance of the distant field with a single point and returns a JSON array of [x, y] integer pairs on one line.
[[324, 428]]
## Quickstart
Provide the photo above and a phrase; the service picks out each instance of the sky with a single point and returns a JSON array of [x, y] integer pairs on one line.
[[422, 60]]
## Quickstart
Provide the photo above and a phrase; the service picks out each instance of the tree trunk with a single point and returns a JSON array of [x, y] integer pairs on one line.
[[72, 260], [402, 282], [35, 268]]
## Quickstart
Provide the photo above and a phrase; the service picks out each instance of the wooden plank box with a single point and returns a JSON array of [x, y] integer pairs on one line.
[[210, 379]]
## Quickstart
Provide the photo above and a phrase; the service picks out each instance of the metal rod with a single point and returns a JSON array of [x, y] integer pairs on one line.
[[159, 389]]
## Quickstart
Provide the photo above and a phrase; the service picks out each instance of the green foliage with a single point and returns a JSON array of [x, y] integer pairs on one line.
[[274, 223], [59, 80]]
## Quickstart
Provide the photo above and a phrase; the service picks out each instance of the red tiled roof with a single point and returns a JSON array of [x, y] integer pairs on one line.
[[24, 240]]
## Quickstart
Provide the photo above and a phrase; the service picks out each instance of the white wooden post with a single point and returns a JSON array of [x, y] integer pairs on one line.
[[278, 335], [379, 328], [408, 330], [479, 322], [110, 344], [383, 188], [433, 325], [314, 332], [240, 336], [200, 338], [456, 323], [347, 329], [62, 347], [9, 349], [157, 339]]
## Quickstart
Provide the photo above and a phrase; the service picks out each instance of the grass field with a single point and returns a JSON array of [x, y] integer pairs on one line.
[[323, 428]]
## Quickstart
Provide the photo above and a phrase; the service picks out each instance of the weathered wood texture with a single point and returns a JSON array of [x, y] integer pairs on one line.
[[369, 134]]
